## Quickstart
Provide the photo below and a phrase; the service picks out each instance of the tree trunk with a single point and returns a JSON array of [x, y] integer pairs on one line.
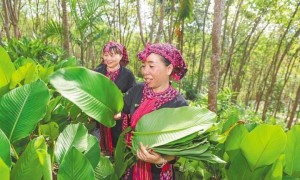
[[13, 11], [66, 34], [203, 54], [227, 65], [161, 20], [140, 22], [215, 58], [152, 21], [6, 20], [171, 27], [295, 105], [287, 74]]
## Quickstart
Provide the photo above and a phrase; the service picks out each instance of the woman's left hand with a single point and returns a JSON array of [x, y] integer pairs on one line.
[[149, 155]]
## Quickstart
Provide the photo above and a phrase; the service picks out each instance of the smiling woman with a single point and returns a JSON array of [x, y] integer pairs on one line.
[[114, 60], [161, 63]]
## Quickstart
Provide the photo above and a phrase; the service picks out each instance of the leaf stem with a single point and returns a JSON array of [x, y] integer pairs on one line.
[[15, 152]]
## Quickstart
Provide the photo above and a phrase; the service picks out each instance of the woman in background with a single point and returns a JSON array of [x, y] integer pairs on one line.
[[113, 66]]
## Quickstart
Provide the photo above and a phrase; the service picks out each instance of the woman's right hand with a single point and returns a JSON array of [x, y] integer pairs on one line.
[[117, 116]]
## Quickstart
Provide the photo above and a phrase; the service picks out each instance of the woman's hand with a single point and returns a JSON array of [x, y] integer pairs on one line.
[[117, 116], [149, 155]]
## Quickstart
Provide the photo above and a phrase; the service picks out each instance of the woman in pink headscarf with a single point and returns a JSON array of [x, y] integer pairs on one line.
[[114, 60], [161, 63]]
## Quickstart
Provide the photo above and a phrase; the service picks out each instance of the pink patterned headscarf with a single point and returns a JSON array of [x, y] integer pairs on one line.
[[107, 48], [169, 52]]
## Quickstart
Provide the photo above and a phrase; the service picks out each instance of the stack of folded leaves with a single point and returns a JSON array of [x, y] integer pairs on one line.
[[182, 132]]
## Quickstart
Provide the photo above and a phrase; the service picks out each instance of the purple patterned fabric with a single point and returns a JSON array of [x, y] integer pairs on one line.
[[161, 98], [169, 52], [124, 61], [112, 75]]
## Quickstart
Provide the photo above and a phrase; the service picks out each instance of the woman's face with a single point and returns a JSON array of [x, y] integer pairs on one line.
[[112, 59], [156, 74]]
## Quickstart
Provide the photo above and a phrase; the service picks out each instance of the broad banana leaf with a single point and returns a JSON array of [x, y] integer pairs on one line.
[[6, 70], [93, 150], [76, 135], [263, 145], [292, 155], [75, 166], [104, 168], [34, 163], [4, 170], [22, 108], [170, 124], [5, 149], [92, 92]]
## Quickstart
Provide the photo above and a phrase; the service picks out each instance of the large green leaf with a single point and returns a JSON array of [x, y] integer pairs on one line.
[[104, 168], [263, 145], [76, 135], [34, 163], [275, 173], [92, 92], [73, 135], [26, 74], [22, 108], [169, 124], [233, 141], [6, 70], [75, 166], [93, 150], [4, 170], [5, 149], [292, 155]]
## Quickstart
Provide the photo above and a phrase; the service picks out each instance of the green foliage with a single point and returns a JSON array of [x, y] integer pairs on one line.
[[5, 150], [6, 70], [34, 49], [75, 166], [292, 150], [34, 162], [4, 170], [181, 133], [22, 108], [92, 92]]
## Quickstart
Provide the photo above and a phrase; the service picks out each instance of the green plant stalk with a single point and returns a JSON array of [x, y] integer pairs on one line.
[[15, 152]]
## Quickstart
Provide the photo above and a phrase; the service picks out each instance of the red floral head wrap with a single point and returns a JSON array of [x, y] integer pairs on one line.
[[107, 48], [170, 53]]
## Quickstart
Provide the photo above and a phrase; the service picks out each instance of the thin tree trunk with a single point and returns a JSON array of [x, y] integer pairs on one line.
[[13, 11], [274, 75], [288, 72], [203, 57], [161, 20], [6, 20], [215, 58], [294, 108], [66, 38], [226, 69], [152, 21], [140, 22], [171, 27]]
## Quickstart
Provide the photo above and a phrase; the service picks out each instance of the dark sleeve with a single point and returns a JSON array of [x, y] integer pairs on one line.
[[132, 97], [125, 80], [178, 101], [101, 69]]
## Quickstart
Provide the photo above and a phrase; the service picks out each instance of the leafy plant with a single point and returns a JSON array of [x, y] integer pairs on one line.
[[92, 92], [183, 132]]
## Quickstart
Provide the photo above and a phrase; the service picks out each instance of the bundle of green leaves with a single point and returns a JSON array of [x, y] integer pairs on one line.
[[182, 132]]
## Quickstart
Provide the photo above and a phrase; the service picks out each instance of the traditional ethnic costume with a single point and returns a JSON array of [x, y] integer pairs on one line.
[[124, 79], [141, 100]]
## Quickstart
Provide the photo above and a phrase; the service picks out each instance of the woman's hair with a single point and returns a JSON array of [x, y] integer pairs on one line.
[[164, 60], [114, 50]]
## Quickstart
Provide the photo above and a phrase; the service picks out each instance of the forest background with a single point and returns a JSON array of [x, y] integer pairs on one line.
[[258, 70]]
